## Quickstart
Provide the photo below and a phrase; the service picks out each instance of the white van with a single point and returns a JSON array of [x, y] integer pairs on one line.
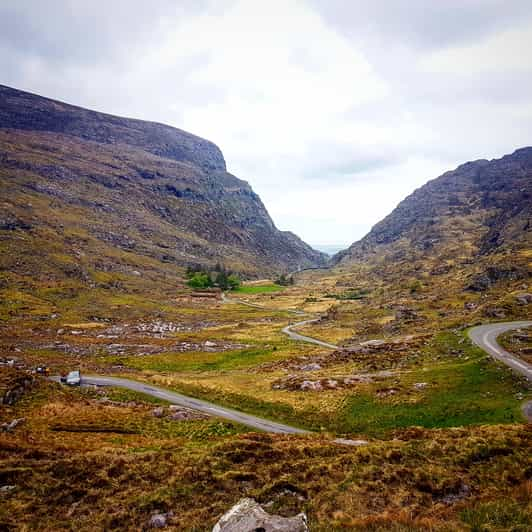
[[73, 378]]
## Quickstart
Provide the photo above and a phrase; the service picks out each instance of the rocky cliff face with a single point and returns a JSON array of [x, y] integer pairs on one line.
[[482, 207], [88, 183]]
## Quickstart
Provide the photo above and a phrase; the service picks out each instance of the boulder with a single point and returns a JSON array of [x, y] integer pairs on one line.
[[372, 343], [492, 312], [311, 385], [159, 520], [158, 412], [405, 314], [249, 516], [8, 427], [494, 274], [310, 367], [524, 299]]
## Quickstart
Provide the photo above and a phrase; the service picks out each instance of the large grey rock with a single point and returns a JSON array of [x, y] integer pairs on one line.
[[248, 516], [159, 520]]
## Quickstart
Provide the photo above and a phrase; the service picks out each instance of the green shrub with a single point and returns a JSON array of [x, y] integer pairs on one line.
[[200, 280]]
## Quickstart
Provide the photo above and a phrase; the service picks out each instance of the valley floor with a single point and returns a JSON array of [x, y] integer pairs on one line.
[[449, 447]]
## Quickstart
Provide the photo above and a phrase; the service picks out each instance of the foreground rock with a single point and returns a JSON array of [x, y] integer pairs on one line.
[[247, 516]]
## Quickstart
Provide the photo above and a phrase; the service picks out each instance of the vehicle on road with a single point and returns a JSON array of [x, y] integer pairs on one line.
[[42, 370], [73, 378]]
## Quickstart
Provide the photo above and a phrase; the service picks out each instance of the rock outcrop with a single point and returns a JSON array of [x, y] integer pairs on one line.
[[248, 516], [138, 187], [481, 207]]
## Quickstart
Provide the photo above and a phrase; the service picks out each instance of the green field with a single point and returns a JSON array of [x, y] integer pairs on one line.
[[472, 390], [259, 289]]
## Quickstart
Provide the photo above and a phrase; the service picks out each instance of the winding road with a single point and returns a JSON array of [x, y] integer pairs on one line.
[[190, 402], [302, 338], [484, 336]]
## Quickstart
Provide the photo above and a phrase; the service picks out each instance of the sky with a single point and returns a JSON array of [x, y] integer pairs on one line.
[[333, 111]]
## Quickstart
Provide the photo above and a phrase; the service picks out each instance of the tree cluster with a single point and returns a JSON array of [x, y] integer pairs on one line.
[[201, 278], [283, 280]]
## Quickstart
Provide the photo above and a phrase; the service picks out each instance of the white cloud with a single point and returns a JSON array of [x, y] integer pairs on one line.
[[333, 111], [500, 53]]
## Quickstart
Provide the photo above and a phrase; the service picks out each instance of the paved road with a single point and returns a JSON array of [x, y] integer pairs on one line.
[[485, 337], [226, 299], [195, 404], [288, 329], [203, 406], [302, 338]]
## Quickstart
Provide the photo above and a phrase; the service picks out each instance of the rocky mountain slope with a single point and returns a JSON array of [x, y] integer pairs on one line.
[[482, 208], [84, 192]]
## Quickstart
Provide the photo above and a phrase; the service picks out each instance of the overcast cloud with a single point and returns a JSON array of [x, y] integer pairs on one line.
[[333, 110]]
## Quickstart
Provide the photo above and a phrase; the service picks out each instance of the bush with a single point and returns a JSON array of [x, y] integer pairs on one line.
[[234, 281], [200, 280], [284, 281]]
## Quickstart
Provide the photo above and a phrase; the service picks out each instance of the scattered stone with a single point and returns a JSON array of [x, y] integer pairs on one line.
[[158, 412], [295, 382], [524, 299], [462, 492], [310, 367], [249, 516], [7, 488], [406, 314], [314, 386], [353, 443], [441, 270], [208, 343], [8, 427], [372, 343], [159, 520], [498, 313], [185, 414], [386, 392]]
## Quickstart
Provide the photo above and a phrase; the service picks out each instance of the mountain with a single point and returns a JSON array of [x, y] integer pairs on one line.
[[118, 194], [481, 209]]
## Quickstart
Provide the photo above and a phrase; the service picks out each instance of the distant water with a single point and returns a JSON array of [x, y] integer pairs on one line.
[[330, 249]]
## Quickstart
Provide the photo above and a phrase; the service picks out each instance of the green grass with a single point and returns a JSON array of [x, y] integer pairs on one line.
[[194, 361], [276, 411], [124, 395], [499, 515], [461, 392], [259, 289], [464, 392]]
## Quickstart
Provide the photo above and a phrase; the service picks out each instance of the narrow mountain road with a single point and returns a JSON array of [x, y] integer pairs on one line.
[[190, 402], [288, 329], [485, 337], [302, 338]]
